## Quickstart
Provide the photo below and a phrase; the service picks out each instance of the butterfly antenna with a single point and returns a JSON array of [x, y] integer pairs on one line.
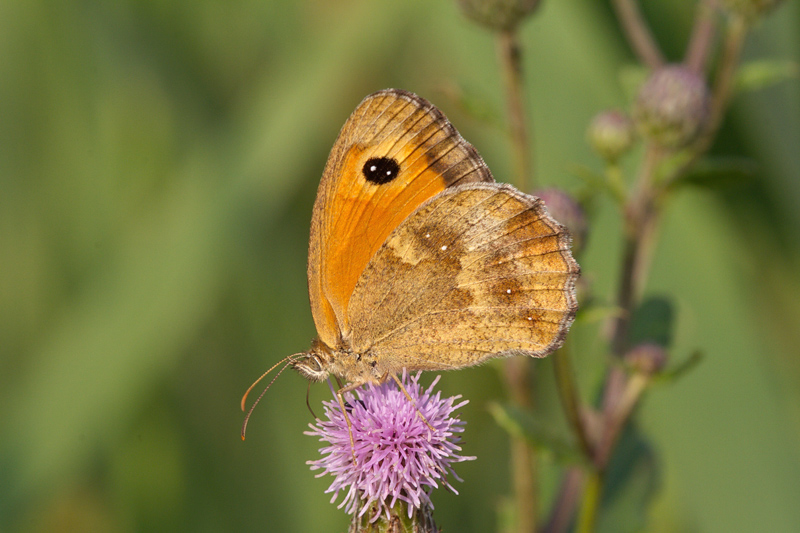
[[244, 398], [256, 382]]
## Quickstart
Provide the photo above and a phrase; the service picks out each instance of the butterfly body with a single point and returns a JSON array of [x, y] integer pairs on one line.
[[419, 260]]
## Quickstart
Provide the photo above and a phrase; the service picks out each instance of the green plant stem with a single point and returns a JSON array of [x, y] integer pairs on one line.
[[590, 503], [616, 181], [639, 215], [642, 214], [735, 35], [568, 498], [517, 369], [523, 460], [570, 399], [638, 33], [702, 37], [511, 65]]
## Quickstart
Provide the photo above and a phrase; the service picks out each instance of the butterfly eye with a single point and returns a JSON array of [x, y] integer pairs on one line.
[[380, 170]]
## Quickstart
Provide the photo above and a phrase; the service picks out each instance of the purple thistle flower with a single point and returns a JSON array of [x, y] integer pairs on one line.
[[399, 458]]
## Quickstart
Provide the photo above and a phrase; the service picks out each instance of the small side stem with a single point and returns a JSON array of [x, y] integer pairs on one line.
[[511, 64], [638, 33], [699, 47], [723, 83], [735, 35]]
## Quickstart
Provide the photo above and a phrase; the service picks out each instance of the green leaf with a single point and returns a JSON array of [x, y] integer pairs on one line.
[[757, 75], [595, 312], [718, 173], [653, 322], [520, 423], [632, 482], [670, 375]]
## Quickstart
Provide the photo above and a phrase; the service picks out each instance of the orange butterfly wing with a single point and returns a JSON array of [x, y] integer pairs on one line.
[[394, 152]]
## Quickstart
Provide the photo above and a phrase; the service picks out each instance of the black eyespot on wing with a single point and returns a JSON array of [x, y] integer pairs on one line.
[[380, 170]]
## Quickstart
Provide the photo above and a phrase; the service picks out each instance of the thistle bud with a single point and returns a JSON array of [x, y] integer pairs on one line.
[[647, 358], [611, 134], [498, 15], [672, 106], [750, 9], [565, 210]]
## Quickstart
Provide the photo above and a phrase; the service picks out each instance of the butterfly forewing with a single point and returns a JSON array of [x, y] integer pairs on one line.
[[478, 271], [395, 152]]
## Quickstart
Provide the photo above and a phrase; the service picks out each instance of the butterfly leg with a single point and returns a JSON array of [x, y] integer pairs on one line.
[[340, 395], [410, 399]]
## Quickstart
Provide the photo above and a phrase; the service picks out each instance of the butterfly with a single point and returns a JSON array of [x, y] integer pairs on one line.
[[419, 260]]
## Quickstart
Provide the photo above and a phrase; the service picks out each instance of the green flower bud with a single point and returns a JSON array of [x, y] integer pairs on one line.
[[647, 358], [672, 106], [568, 212], [750, 9], [498, 14], [611, 134]]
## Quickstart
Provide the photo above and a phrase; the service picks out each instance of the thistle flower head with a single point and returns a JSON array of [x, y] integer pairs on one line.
[[398, 457], [611, 134], [566, 210], [498, 15], [672, 106]]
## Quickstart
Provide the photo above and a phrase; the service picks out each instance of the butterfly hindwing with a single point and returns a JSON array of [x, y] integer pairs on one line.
[[478, 271]]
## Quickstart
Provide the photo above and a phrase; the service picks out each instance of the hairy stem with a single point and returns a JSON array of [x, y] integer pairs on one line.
[[638, 33], [511, 64], [702, 37], [732, 50], [517, 369]]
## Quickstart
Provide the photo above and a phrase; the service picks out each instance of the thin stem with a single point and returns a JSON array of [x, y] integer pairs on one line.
[[616, 181], [590, 503], [570, 398], [517, 369], [637, 213], [523, 461], [735, 34], [732, 50], [638, 33], [703, 31], [511, 64], [568, 499], [634, 388]]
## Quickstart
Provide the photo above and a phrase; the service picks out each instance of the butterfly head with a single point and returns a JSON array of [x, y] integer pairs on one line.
[[315, 364]]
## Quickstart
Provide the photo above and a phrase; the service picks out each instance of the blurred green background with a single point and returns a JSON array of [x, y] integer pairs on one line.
[[158, 163]]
